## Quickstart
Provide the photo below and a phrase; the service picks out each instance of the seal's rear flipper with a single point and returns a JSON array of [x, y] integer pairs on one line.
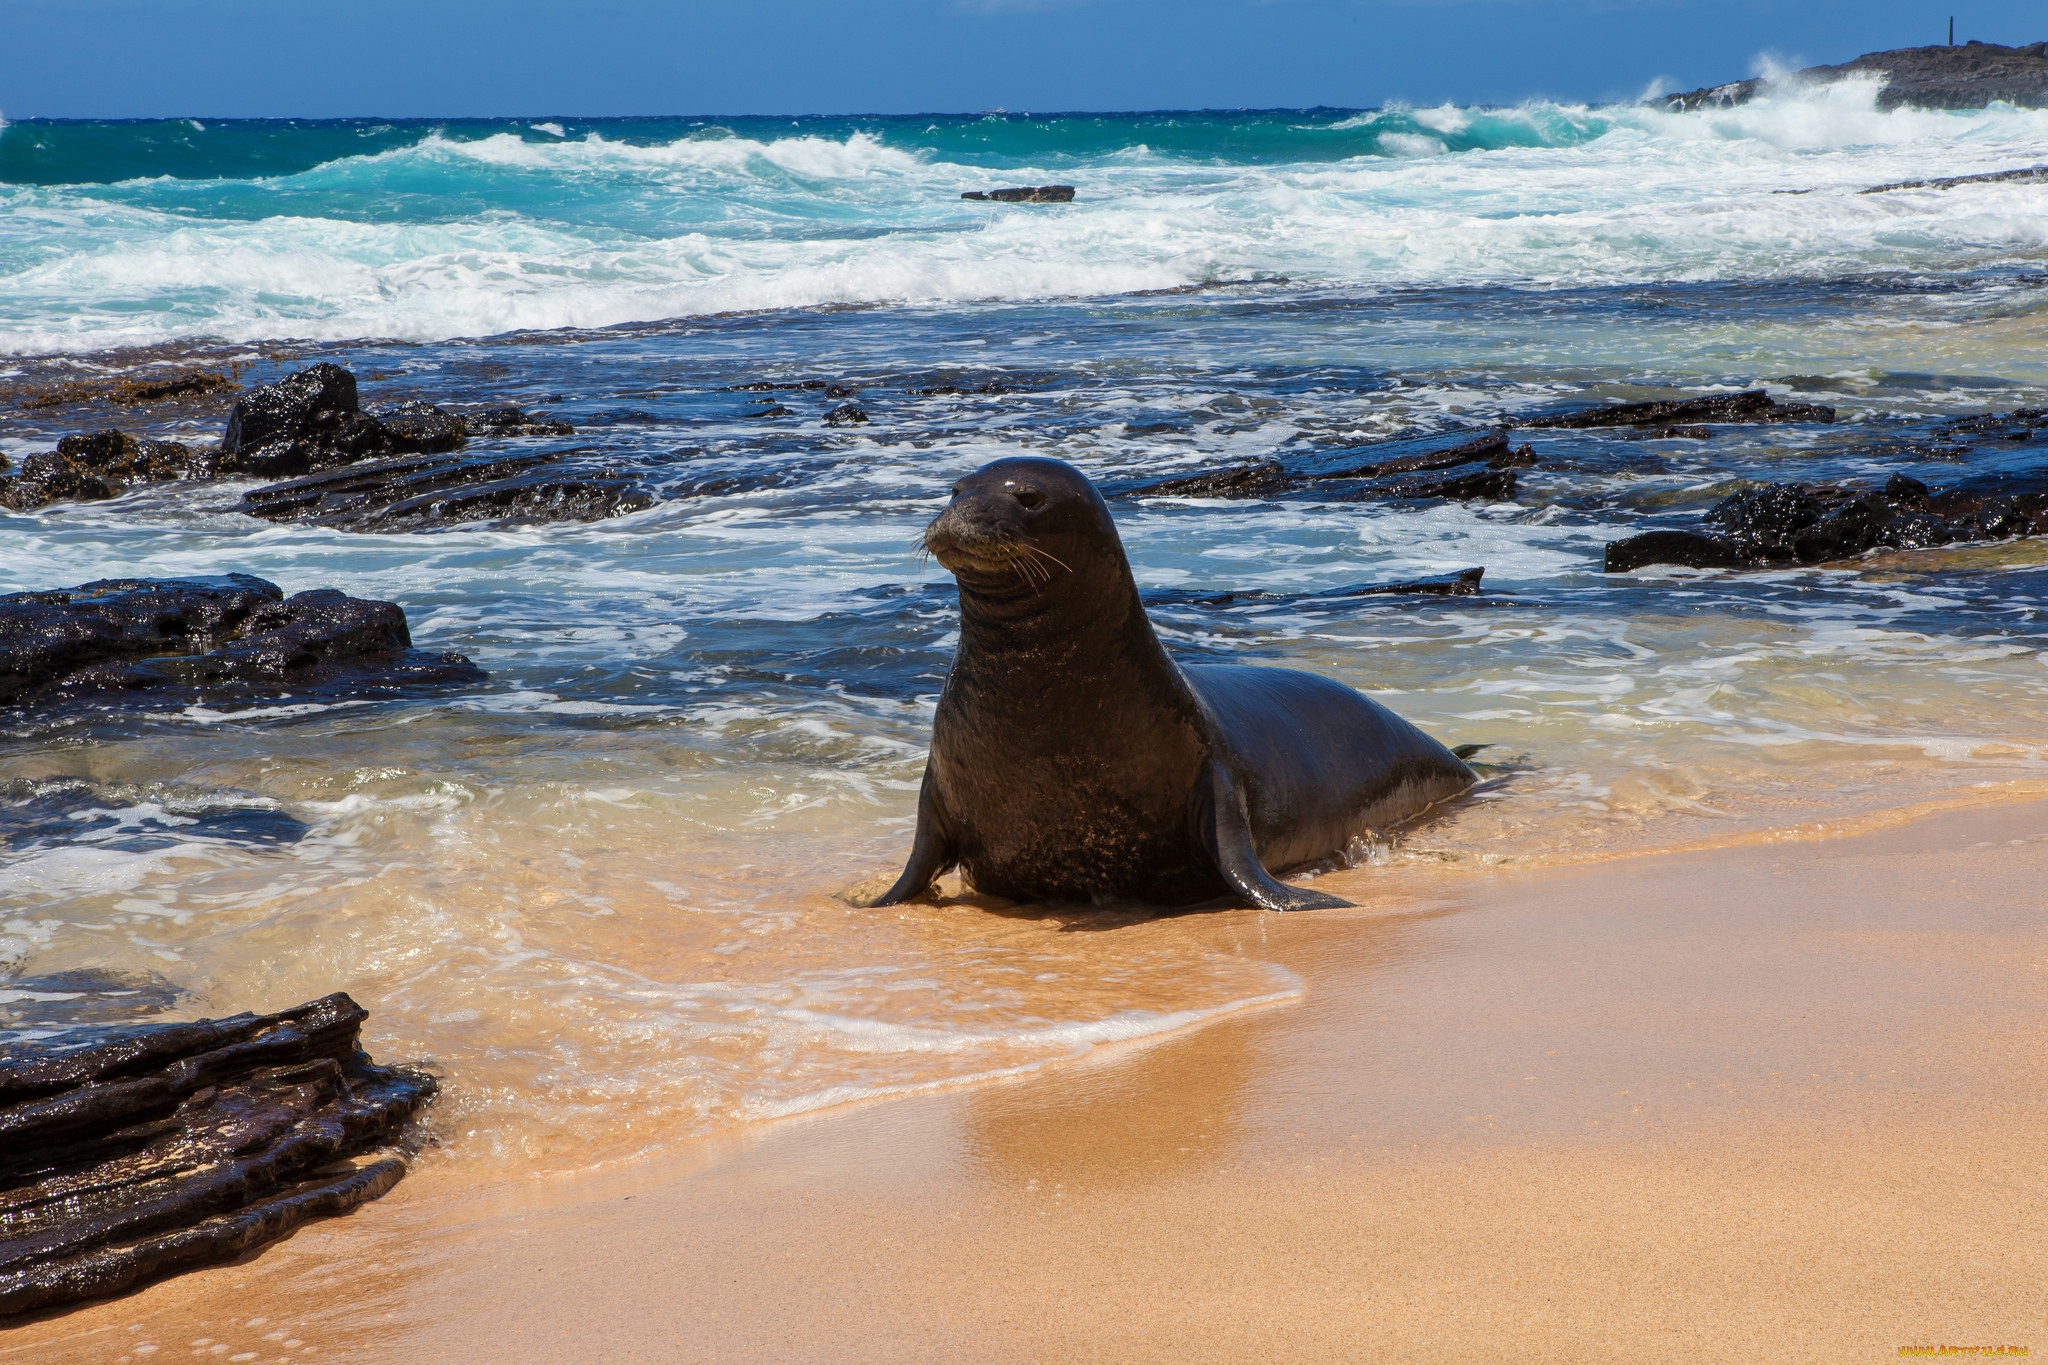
[[931, 852], [1464, 751], [1228, 832]]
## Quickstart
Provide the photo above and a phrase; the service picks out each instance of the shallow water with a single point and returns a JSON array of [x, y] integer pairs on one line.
[[598, 889]]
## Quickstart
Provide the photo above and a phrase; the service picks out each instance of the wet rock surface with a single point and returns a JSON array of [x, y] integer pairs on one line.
[[1791, 523], [313, 421], [1969, 75], [441, 491], [134, 1152], [1025, 194], [223, 637], [1481, 468], [1679, 416], [93, 467]]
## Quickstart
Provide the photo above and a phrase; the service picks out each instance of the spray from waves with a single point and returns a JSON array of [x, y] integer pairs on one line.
[[434, 232]]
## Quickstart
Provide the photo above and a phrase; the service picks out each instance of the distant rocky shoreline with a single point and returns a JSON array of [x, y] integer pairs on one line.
[[1967, 76]]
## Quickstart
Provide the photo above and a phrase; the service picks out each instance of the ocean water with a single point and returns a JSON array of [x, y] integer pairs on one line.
[[599, 890]]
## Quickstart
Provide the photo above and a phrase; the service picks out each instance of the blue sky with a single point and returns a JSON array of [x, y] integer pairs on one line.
[[234, 58]]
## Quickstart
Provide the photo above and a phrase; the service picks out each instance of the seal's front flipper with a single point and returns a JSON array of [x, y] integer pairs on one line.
[[931, 852], [1228, 830]]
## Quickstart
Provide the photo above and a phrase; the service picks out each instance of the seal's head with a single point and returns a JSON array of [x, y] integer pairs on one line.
[[1024, 525]]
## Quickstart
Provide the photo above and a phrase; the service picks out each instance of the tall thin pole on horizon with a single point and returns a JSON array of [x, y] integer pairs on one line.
[[1951, 30]]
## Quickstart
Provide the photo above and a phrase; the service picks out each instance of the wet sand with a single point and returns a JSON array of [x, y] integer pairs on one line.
[[1779, 1101]]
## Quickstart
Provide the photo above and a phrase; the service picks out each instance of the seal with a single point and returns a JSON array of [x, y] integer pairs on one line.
[[1072, 760]]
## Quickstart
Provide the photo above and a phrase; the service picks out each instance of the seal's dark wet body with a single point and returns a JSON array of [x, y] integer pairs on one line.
[[1073, 760]]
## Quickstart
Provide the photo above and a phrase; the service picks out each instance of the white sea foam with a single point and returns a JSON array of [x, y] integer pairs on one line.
[[591, 231]]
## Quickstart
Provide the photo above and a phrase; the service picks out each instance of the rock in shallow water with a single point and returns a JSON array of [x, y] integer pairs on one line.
[[207, 637], [1484, 470], [1026, 194], [1751, 405], [134, 1153], [450, 490], [1780, 524], [91, 468]]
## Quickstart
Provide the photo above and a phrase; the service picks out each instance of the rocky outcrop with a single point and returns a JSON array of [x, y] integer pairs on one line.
[[1969, 76], [1026, 194], [92, 468], [133, 1153], [506, 420], [1478, 469], [213, 637], [427, 492], [1776, 525], [312, 420], [1465, 583], [1672, 414]]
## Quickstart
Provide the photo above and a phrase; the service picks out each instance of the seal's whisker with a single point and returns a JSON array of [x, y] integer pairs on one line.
[[1028, 548], [1032, 573]]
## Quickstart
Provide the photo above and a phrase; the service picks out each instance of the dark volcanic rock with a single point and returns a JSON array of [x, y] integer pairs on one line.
[[1687, 548], [1026, 194], [1235, 481], [296, 408], [311, 420], [424, 492], [1466, 584], [1796, 523], [1849, 530], [846, 415], [1762, 518], [420, 429], [1672, 434], [92, 467], [1486, 464], [133, 1153], [1492, 448], [2025, 175], [1969, 76], [1751, 405], [506, 420], [1491, 485], [233, 634]]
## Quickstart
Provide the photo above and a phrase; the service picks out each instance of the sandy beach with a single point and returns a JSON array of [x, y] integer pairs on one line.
[[1777, 1101]]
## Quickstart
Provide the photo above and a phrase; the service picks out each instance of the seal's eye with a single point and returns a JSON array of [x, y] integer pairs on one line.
[[1029, 497]]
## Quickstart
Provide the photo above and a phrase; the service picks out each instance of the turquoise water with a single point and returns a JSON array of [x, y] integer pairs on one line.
[[137, 233]]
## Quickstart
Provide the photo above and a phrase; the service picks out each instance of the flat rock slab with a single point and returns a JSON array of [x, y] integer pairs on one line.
[[1751, 405], [1481, 468], [132, 1153], [226, 636], [431, 491], [1026, 194]]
